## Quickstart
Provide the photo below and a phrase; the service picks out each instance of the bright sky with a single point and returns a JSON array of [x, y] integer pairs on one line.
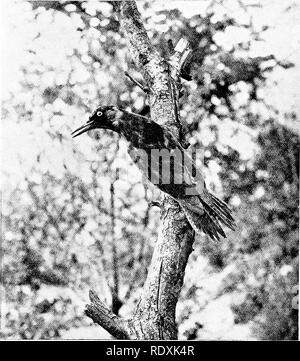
[[282, 39]]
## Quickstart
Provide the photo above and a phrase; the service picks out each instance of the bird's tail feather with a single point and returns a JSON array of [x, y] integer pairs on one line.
[[207, 215], [218, 209]]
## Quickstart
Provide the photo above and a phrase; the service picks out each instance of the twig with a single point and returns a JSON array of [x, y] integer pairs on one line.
[[136, 82], [177, 60]]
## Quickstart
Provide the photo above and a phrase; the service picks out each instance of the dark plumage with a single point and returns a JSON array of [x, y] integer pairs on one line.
[[203, 210]]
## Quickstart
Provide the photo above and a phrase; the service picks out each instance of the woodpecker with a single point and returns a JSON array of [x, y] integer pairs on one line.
[[202, 209]]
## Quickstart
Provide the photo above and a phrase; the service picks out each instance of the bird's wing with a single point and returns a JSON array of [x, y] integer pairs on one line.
[[162, 159], [192, 175]]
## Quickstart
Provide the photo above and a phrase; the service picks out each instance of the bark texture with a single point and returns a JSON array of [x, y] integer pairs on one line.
[[154, 317]]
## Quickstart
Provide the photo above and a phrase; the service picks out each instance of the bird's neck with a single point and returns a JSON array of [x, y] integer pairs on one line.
[[127, 123]]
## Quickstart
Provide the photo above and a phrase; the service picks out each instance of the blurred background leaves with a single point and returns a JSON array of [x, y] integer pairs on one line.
[[76, 214]]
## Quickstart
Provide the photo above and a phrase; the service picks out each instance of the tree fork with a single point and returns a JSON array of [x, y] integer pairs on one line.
[[154, 317]]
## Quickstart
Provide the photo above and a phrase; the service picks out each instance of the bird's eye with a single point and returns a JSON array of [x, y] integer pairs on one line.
[[99, 114]]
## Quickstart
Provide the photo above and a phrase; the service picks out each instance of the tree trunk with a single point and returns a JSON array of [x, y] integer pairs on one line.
[[154, 317]]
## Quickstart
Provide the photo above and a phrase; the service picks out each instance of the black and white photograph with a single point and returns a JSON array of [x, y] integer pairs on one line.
[[150, 173]]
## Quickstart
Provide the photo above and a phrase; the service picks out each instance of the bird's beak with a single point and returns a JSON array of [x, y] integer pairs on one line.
[[84, 128]]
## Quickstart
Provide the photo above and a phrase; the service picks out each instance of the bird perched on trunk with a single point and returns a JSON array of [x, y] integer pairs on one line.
[[153, 148]]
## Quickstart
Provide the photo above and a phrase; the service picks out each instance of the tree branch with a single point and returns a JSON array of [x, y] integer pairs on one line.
[[154, 317], [101, 314], [139, 44]]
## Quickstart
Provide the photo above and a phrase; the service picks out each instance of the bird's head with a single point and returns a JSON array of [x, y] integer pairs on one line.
[[104, 117]]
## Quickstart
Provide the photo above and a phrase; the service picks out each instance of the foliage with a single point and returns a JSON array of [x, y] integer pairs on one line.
[[77, 214]]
